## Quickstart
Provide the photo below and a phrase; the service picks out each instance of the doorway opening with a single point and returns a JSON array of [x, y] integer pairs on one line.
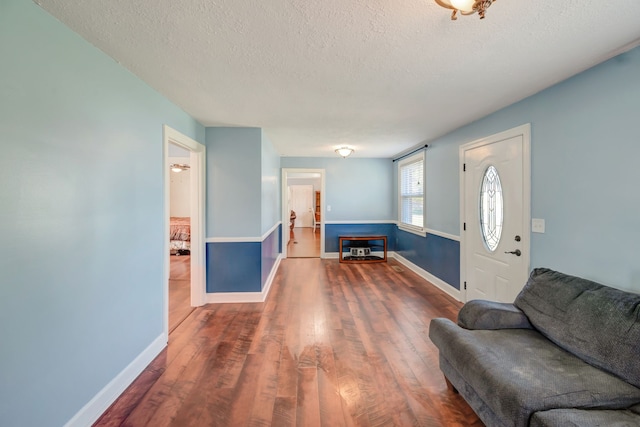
[[179, 163], [302, 213], [184, 195]]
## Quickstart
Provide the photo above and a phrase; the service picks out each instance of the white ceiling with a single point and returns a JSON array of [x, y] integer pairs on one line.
[[378, 75]]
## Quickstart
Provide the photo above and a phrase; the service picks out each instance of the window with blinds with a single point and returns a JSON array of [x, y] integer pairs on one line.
[[411, 180]]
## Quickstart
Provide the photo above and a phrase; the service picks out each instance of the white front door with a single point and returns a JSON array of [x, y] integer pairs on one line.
[[302, 204], [495, 215]]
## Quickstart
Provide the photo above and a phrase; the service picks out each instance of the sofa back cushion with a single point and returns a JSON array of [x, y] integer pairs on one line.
[[599, 324]]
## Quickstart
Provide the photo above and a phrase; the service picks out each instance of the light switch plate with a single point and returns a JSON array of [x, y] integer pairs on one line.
[[328, 208], [537, 225]]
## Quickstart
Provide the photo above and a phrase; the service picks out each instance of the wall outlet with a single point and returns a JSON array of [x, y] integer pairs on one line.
[[537, 225]]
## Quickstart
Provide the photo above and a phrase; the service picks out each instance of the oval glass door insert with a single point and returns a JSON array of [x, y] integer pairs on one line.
[[491, 208]]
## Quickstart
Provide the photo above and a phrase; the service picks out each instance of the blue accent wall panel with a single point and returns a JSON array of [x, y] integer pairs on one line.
[[437, 255], [333, 231], [270, 252], [234, 267]]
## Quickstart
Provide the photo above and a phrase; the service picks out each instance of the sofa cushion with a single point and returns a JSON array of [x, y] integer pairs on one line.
[[517, 372], [585, 418], [481, 314], [596, 323]]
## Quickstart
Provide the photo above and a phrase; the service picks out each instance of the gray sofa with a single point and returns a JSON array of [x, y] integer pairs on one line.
[[566, 353]]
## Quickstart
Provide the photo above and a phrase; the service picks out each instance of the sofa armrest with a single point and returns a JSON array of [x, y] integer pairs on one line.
[[481, 314]]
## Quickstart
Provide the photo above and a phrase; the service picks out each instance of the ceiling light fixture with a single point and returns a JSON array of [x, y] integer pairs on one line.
[[175, 167], [344, 151], [466, 7]]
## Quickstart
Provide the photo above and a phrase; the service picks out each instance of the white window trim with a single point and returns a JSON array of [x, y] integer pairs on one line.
[[420, 231]]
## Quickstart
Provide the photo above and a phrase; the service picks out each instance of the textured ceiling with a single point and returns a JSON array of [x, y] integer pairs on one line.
[[378, 75]]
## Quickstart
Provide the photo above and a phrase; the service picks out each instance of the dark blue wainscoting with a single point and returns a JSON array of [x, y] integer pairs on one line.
[[333, 231], [242, 266], [234, 267], [437, 255]]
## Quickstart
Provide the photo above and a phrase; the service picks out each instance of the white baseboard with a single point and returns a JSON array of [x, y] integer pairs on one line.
[[439, 283], [240, 297], [105, 397]]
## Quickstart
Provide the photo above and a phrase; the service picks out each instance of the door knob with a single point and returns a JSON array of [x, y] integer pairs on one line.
[[516, 252]]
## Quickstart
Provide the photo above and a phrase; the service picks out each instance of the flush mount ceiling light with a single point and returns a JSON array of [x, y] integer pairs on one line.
[[175, 167], [344, 151], [466, 7]]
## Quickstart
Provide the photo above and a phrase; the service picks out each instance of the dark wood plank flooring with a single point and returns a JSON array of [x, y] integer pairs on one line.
[[179, 289], [333, 345]]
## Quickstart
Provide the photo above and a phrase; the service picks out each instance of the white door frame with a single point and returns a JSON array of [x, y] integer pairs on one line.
[[285, 207], [197, 200], [525, 131]]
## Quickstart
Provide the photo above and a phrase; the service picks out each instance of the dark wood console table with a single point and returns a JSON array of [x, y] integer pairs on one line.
[[348, 242]]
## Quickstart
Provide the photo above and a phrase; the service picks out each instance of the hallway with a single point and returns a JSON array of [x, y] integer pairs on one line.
[[304, 242]]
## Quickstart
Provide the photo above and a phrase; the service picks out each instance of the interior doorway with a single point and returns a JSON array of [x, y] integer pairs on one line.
[[302, 209], [179, 163], [184, 262]]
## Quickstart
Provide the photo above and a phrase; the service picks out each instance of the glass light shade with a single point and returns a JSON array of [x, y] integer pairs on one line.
[[344, 151], [463, 5], [176, 170]]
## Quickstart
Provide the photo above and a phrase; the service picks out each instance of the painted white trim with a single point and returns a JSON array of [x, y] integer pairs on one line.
[[243, 297], [437, 282], [285, 207], [367, 221], [525, 131], [443, 234], [197, 198], [105, 397], [233, 239], [413, 230], [234, 297], [271, 230], [243, 239], [331, 255]]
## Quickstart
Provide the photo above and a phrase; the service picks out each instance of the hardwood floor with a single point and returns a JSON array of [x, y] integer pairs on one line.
[[179, 289], [333, 345], [304, 242]]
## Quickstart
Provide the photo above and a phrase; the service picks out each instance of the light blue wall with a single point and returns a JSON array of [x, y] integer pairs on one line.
[[81, 217], [585, 147], [234, 192], [271, 178], [356, 189]]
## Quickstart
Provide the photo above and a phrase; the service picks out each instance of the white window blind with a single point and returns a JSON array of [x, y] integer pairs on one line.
[[412, 191]]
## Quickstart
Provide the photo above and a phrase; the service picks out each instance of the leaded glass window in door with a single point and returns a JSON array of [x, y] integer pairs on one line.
[[491, 208]]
